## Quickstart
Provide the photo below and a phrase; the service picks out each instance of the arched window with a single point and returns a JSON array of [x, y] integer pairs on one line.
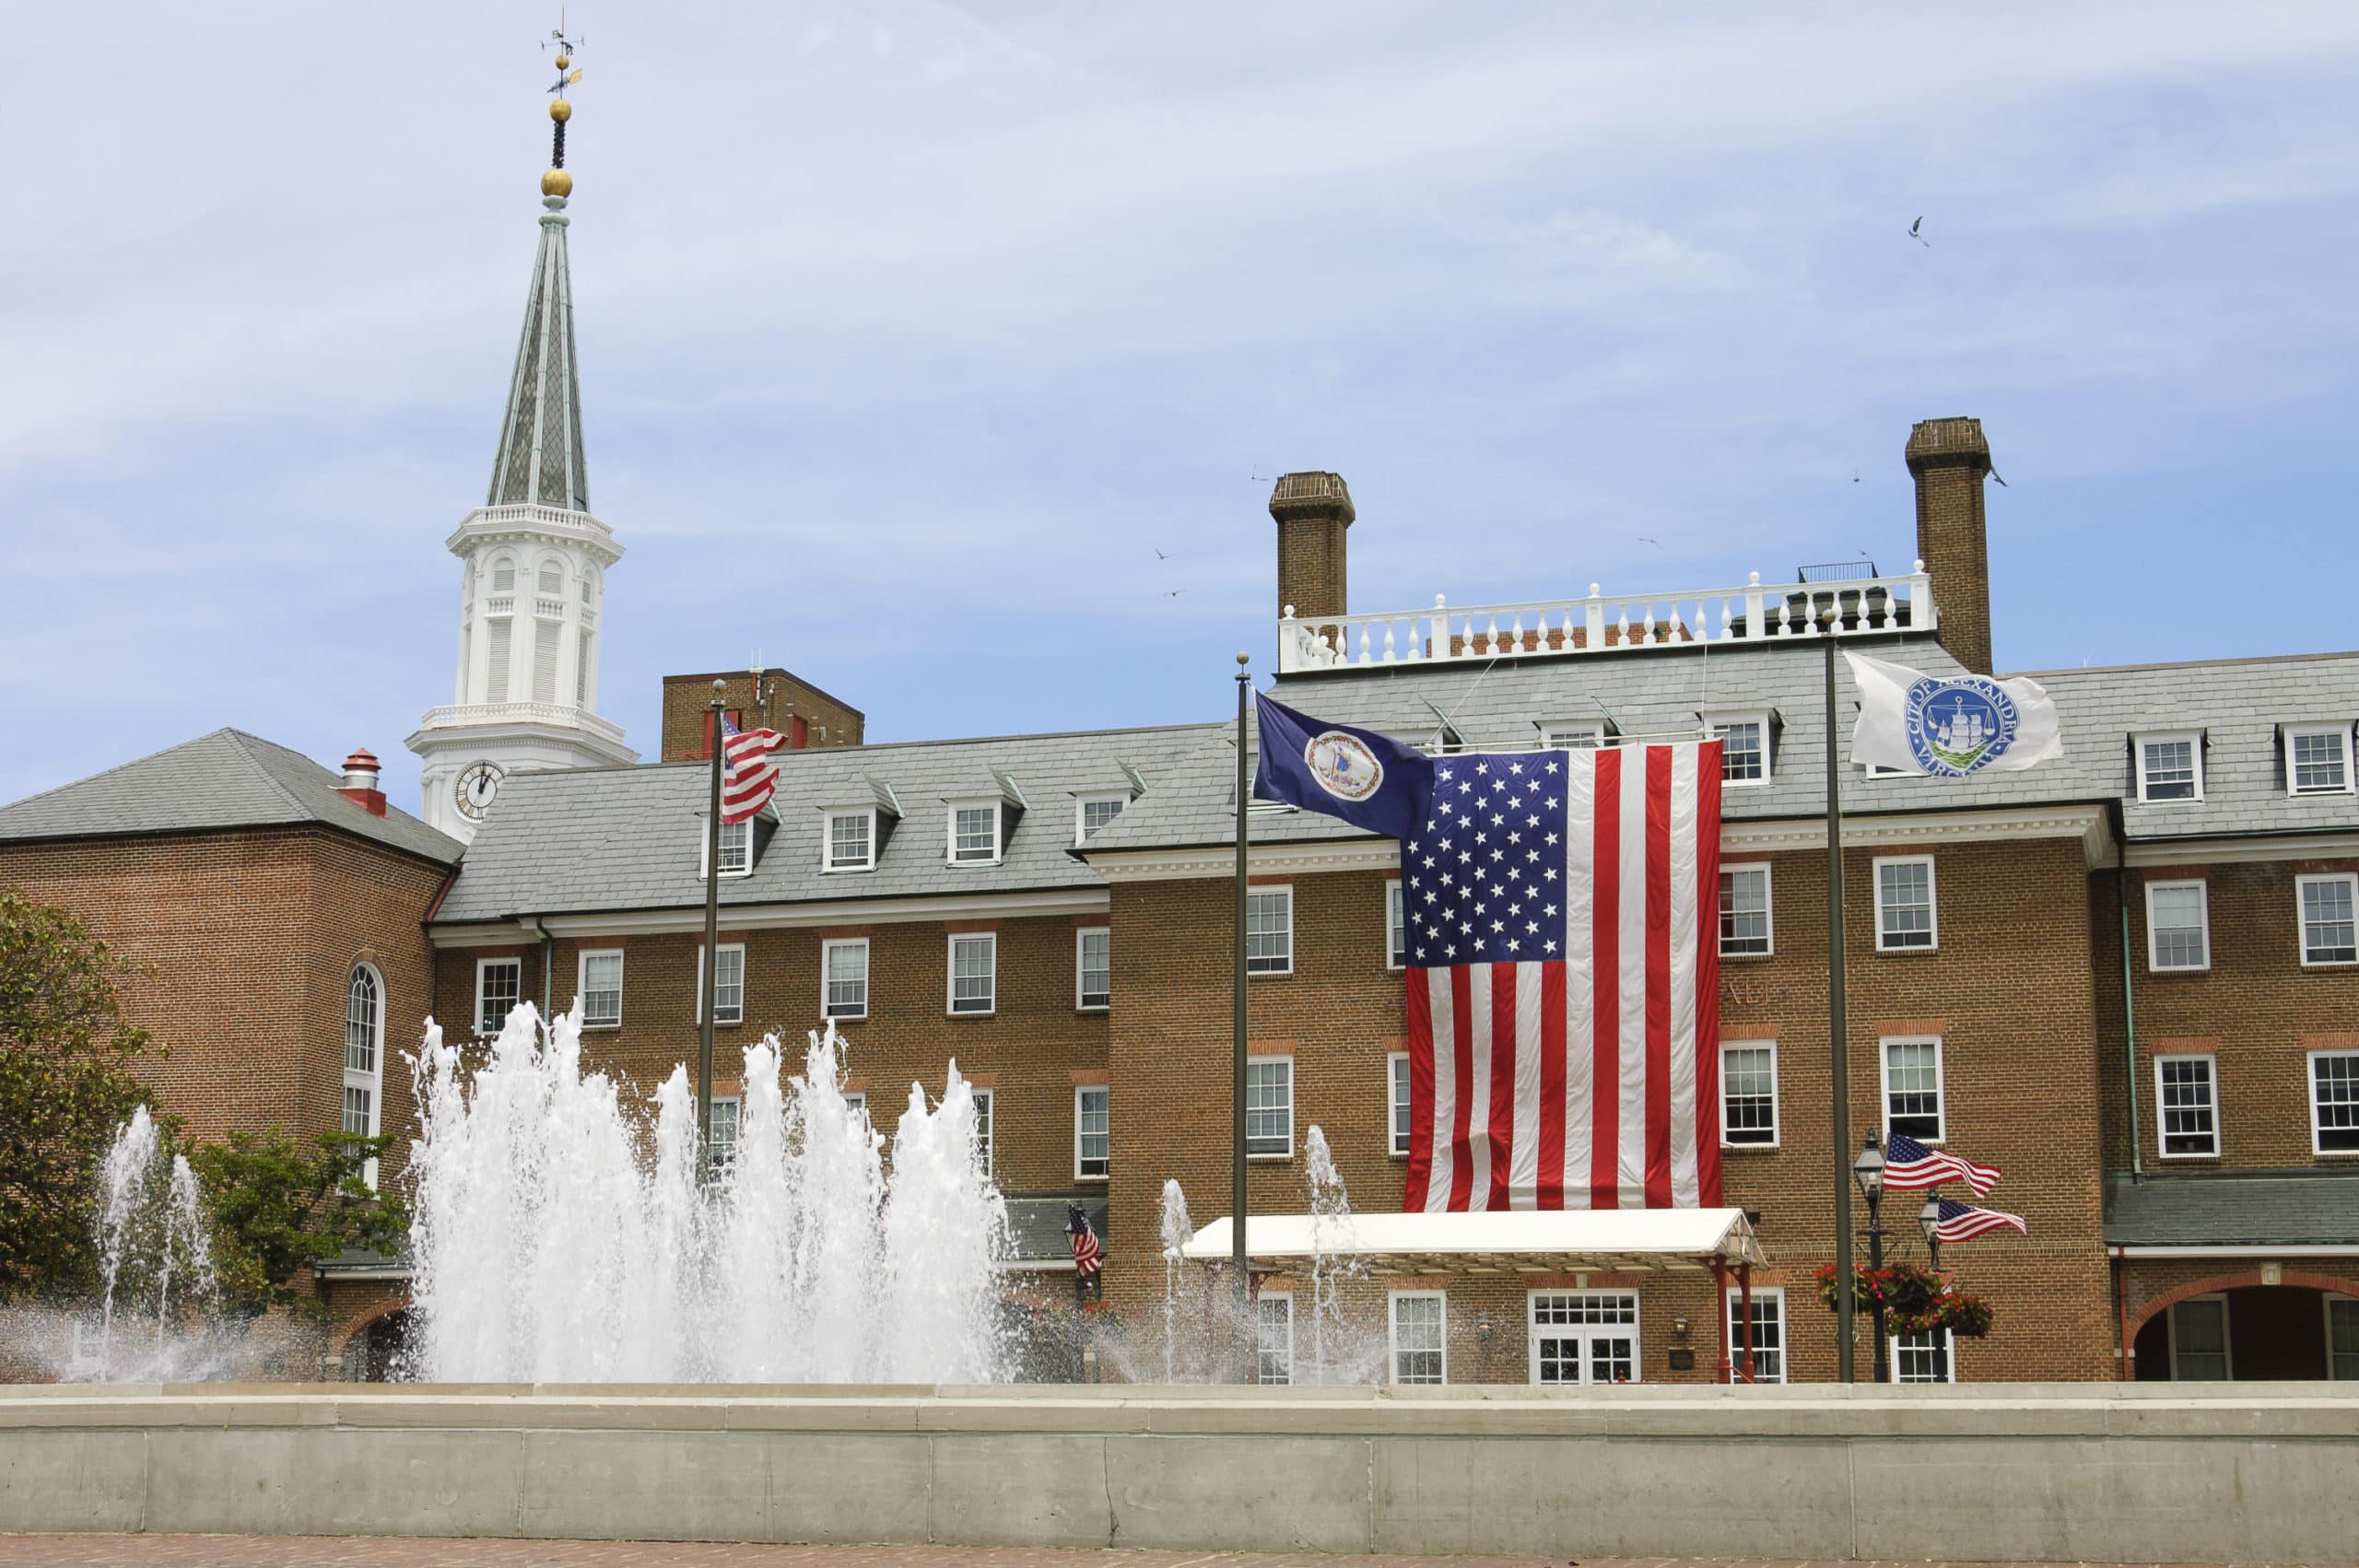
[[503, 575], [364, 1055], [552, 579]]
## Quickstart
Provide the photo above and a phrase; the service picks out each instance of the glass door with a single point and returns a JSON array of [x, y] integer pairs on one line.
[[1584, 1336]]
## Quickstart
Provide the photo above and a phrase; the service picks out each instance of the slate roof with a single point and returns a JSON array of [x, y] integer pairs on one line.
[[227, 780], [2237, 703], [2262, 1207], [1036, 1222], [628, 838]]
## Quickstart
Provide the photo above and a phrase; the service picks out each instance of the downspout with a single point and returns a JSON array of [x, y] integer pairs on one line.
[[2128, 999], [549, 958], [2120, 1318]]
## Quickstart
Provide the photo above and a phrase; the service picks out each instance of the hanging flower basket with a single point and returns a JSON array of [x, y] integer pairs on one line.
[[1915, 1300]]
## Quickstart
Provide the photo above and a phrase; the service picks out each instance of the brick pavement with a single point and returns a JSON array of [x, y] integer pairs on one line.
[[325, 1552]]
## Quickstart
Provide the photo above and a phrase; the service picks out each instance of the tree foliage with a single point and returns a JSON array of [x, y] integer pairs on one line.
[[281, 1208], [67, 1055]]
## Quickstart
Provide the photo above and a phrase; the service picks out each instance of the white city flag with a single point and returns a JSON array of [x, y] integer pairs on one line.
[[1949, 725]]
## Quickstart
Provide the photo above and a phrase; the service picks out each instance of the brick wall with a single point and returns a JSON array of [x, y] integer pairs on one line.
[[1028, 1052], [1949, 458], [2256, 1010], [244, 944], [781, 700]]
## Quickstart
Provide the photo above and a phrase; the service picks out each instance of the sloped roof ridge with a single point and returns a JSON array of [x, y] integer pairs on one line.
[[118, 767], [265, 766], [2186, 663]]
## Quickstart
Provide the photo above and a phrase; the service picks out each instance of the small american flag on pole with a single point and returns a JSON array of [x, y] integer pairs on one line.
[[1086, 1254], [748, 778], [1963, 1222], [1911, 1165]]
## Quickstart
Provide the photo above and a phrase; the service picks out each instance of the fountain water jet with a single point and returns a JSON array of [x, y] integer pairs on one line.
[[550, 1244]]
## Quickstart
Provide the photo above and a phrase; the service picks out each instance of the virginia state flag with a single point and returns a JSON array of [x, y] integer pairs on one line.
[[1370, 781]]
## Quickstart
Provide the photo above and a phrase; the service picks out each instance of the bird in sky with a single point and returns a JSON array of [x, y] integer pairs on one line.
[[1173, 592], [1913, 233], [1161, 557], [2003, 484], [1644, 540], [1855, 479]]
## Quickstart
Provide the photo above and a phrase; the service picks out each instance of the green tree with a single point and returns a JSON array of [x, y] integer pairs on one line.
[[67, 1056], [281, 1208]]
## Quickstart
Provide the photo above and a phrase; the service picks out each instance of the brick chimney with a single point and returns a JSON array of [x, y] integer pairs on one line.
[[360, 782], [1312, 511], [1948, 459]]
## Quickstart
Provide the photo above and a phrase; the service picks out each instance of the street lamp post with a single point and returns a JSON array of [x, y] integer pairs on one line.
[[1869, 1171], [1929, 1220]]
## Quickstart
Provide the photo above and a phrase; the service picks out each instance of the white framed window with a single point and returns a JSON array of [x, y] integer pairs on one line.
[[982, 1129], [601, 987], [1396, 927], [1744, 910], [1571, 734], [499, 986], [2328, 933], [1397, 1102], [1418, 1328], [1269, 1108], [849, 843], [1769, 1334], [1093, 1132], [856, 1100], [843, 977], [1583, 1335], [1091, 812], [2334, 1101], [1905, 917], [736, 847], [723, 1141], [2170, 767], [974, 971], [1749, 1094], [2186, 1107], [1928, 1356], [1744, 746], [728, 985], [364, 1056], [2199, 1341], [2318, 759], [2179, 927], [1093, 966], [1912, 1089], [2342, 1339], [1269, 930], [1273, 1337], [974, 833]]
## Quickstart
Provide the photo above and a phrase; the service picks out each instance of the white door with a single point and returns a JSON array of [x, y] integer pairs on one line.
[[1584, 1336]]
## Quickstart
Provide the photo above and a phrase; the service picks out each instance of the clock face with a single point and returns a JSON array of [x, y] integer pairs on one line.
[[476, 787]]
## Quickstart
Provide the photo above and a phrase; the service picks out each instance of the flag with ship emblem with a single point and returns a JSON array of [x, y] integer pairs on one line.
[[1950, 726]]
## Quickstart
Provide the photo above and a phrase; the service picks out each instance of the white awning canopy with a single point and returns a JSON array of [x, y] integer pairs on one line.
[[1521, 1241]]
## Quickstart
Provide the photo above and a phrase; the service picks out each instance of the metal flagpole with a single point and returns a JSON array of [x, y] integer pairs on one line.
[[1242, 1334], [1838, 1036], [712, 938]]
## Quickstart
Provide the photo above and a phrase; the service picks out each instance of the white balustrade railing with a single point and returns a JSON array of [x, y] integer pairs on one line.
[[519, 713], [1604, 623]]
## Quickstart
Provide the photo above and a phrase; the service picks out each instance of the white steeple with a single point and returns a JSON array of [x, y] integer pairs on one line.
[[534, 563]]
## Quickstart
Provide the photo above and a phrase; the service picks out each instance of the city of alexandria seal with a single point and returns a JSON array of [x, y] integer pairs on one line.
[[1344, 765], [1957, 726]]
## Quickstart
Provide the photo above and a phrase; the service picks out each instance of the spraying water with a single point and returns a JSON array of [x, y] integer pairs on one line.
[[1177, 1228], [155, 1264], [551, 1244]]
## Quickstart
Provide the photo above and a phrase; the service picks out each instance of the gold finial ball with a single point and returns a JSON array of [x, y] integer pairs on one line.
[[556, 183], [563, 60], [560, 110]]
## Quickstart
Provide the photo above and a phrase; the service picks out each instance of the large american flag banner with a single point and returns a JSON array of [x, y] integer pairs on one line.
[[1563, 940], [748, 778]]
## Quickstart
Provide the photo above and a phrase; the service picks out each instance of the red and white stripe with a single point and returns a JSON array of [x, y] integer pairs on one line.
[[1592, 1080], [1938, 1167], [748, 778], [1963, 1222], [1088, 1255]]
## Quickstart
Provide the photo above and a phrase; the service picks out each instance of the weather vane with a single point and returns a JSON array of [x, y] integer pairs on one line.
[[557, 184]]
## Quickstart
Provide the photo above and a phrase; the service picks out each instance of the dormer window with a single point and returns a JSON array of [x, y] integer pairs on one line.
[[1744, 746], [736, 847], [2170, 767], [851, 841], [1094, 812], [974, 833], [1572, 732], [2318, 759]]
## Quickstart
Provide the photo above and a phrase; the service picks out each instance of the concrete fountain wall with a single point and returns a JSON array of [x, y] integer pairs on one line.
[[2250, 1473]]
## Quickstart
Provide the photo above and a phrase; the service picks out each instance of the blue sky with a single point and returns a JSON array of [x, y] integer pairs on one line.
[[909, 333]]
